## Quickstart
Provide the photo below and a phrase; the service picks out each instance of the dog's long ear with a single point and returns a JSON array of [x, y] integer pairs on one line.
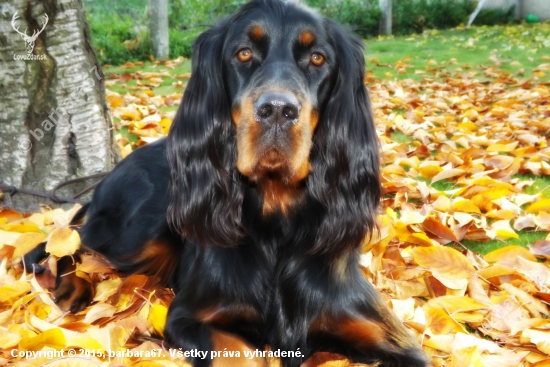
[[345, 157], [205, 197]]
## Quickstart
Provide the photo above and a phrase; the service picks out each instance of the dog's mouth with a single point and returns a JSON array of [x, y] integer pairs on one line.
[[272, 165], [272, 160]]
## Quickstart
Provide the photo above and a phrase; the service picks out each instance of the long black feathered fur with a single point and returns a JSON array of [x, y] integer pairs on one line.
[[345, 177], [205, 194]]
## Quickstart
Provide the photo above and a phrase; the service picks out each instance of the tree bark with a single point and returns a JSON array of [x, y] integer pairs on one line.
[[54, 123], [158, 28], [386, 18]]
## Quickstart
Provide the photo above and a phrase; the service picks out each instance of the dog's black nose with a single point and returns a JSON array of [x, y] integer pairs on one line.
[[276, 107]]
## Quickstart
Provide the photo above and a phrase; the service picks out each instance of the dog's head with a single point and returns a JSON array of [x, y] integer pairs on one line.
[[279, 67], [276, 97]]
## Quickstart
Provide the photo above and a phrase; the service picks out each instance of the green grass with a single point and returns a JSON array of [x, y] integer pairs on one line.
[[400, 137], [125, 132], [541, 184], [147, 66], [525, 238], [510, 48], [169, 108], [443, 185]]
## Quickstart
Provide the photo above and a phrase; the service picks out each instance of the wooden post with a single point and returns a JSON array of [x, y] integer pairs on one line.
[[385, 19]]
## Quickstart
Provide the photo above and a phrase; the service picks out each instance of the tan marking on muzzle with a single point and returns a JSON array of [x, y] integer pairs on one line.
[[302, 141], [248, 134]]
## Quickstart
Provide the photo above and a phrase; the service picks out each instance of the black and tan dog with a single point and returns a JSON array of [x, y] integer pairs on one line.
[[255, 206]]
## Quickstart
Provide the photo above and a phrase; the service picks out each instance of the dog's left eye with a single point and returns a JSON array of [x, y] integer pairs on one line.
[[244, 55], [317, 59]]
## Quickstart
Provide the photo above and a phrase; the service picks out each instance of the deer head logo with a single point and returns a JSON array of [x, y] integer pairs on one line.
[[29, 40]]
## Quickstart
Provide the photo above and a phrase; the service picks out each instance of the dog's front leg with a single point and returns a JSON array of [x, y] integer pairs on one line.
[[184, 331], [357, 323], [206, 344]]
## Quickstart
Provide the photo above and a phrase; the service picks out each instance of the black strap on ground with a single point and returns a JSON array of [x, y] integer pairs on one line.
[[52, 194]]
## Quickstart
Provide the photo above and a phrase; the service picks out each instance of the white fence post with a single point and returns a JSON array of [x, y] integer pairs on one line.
[[476, 12]]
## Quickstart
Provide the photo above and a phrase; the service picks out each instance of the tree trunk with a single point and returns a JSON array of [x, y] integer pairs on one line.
[[158, 28], [386, 18], [54, 123]]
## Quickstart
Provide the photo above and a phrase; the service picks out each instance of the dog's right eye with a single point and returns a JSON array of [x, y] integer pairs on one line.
[[244, 55], [317, 59]]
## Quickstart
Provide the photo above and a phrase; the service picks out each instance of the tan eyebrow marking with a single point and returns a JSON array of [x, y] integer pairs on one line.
[[306, 38], [256, 32]]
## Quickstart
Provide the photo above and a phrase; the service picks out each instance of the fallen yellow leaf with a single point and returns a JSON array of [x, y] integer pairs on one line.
[[448, 173], [27, 242], [52, 338], [453, 304], [440, 322], [538, 206], [9, 293], [106, 289], [466, 206], [444, 260], [63, 242], [502, 148], [158, 318], [509, 252]]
